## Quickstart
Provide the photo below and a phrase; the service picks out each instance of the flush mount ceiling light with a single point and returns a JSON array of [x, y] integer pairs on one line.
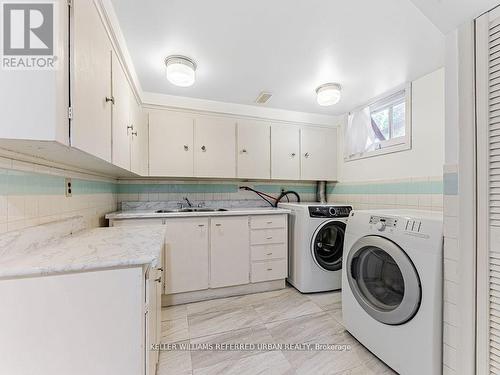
[[181, 70], [328, 94]]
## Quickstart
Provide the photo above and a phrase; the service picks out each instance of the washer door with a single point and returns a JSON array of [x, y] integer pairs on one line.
[[328, 245], [383, 280]]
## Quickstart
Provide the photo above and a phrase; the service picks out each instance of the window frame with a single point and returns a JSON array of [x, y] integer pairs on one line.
[[393, 145]]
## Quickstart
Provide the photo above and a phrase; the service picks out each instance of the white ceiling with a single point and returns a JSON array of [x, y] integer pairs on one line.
[[447, 15], [287, 47]]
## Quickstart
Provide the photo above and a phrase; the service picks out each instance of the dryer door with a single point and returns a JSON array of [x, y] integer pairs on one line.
[[383, 280], [328, 245]]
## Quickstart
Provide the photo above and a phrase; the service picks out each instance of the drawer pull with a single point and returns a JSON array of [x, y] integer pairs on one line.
[[269, 254], [201, 225], [160, 269], [269, 269], [269, 238], [158, 280], [269, 222]]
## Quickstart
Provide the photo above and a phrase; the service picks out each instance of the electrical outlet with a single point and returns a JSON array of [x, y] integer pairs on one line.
[[68, 186]]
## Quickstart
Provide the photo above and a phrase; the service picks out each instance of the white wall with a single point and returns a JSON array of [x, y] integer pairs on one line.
[[426, 157], [451, 102]]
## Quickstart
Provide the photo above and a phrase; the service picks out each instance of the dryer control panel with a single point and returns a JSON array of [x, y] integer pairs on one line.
[[329, 211], [381, 223]]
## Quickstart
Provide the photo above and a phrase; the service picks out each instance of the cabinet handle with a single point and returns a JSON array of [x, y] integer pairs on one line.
[[218, 225], [203, 148], [186, 148], [160, 269], [269, 238], [269, 269], [306, 155], [269, 254], [134, 133], [292, 154], [244, 151], [201, 225], [269, 222], [158, 280], [130, 127], [110, 99]]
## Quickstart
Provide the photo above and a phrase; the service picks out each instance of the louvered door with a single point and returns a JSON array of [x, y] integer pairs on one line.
[[488, 192]]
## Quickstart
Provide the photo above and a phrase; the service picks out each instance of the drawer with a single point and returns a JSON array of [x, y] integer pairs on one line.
[[268, 221], [267, 236], [266, 252], [269, 270]]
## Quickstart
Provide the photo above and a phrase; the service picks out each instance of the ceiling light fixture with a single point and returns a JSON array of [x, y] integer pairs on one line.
[[328, 94], [181, 70]]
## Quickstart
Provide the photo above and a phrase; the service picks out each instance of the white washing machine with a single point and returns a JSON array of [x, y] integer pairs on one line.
[[316, 240], [392, 282]]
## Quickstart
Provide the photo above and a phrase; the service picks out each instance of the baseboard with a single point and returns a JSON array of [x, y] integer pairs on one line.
[[203, 295]]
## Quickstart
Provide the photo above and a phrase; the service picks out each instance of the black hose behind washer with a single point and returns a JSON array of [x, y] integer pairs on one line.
[[285, 194]]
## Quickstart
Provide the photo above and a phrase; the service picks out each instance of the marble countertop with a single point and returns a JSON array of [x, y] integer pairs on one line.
[[87, 250], [145, 214]]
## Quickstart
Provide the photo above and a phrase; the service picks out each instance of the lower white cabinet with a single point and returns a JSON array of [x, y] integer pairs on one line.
[[203, 253], [101, 322], [269, 247], [186, 256], [229, 251]]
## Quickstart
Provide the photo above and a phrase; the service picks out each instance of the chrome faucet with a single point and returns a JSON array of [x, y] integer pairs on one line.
[[188, 202]]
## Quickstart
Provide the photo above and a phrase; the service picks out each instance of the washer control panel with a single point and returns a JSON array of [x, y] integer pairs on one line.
[[329, 211], [381, 223]]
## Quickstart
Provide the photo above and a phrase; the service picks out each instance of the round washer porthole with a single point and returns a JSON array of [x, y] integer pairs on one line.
[[327, 245], [383, 280]]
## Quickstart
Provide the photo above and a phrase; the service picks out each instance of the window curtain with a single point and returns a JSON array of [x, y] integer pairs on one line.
[[359, 136]]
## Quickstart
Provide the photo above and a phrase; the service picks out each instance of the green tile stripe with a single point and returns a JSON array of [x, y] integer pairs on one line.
[[141, 188], [14, 182], [416, 187]]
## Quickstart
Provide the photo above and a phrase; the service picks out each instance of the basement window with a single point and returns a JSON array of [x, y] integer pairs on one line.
[[382, 127]]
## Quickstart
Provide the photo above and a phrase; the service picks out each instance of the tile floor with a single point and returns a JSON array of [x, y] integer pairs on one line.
[[280, 317]]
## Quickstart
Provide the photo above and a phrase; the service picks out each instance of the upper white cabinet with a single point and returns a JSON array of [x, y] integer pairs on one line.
[[318, 153], [285, 150], [139, 143], [229, 251], [122, 125], [214, 147], [91, 88], [254, 149], [171, 144]]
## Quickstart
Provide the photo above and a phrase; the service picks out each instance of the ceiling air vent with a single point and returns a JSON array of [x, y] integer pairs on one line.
[[263, 97]]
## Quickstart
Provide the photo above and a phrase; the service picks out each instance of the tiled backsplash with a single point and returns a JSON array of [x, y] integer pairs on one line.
[[414, 193], [32, 194], [220, 193]]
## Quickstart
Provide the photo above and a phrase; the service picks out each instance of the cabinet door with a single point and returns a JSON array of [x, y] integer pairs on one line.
[[91, 123], [121, 115], [186, 255], [318, 156], [229, 251], [254, 149], [170, 144], [285, 149], [215, 147], [139, 142]]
